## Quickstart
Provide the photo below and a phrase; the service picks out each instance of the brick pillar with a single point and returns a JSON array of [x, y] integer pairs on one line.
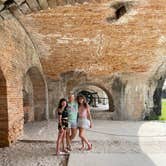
[[3, 112]]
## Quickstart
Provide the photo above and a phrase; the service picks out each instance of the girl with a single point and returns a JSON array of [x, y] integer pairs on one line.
[[62, 125], [83, 122]]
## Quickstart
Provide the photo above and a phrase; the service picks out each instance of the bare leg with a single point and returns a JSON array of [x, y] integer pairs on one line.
[[83, 145], [64, 142], [59, 140], [73, 133], [63, 147], [84, 139], [68, 141]]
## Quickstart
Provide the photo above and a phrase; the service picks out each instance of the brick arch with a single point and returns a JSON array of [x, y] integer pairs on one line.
[[3, 112], [85, 88], [39, 97]]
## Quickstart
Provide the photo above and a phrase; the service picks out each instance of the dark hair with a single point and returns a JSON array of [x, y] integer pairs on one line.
[[85, 101], [60, 103]]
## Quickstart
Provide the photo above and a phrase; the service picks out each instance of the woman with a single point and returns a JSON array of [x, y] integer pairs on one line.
[[72, 119], [62, 125], [83, 122]]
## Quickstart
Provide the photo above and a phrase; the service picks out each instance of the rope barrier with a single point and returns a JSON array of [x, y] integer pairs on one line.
[[123, 135]]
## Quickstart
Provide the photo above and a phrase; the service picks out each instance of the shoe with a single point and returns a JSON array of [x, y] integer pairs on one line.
[[66, 150], [69, 148], [90, 147], [82, 148], [60, 153]]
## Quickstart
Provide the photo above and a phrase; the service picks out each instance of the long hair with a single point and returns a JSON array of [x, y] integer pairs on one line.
[[85, 104], [60, 103]]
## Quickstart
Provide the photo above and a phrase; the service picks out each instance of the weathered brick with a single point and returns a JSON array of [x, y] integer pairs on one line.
[[83, 44]]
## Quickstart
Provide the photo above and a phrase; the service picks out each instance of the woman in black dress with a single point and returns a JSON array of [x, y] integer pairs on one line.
[[62, 125]]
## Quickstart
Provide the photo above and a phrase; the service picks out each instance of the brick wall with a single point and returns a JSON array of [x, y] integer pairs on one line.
[[17, 56]]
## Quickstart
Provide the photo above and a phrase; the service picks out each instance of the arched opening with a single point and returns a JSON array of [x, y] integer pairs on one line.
[[3, 112], [96, 97], [157, 98], [163, 102], [28, 107], [34, 96], [92, 97], [158, 111], [100, 101]]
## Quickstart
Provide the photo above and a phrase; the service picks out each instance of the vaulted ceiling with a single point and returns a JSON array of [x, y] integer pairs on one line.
[[90, 37], [19, 7]]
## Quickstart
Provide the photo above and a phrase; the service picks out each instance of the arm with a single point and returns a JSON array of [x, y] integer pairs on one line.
[[59, 117], [89, 116]]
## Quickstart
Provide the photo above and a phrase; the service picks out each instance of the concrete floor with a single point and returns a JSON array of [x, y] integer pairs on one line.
[[114, 142], [118, 159]]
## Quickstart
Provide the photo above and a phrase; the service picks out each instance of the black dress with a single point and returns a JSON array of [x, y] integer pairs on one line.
[[64, 115]]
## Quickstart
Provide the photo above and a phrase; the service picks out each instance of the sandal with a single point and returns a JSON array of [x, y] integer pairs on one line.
[[65, 150], [69, 148], [60, 153], [82, 148], [89, 147]]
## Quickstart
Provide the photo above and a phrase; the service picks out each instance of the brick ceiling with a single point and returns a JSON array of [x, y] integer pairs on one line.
[[79, 37], [28, 6]]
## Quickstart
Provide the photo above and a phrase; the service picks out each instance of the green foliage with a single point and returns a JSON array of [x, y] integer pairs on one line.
[[163, 111], [154, 117]]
